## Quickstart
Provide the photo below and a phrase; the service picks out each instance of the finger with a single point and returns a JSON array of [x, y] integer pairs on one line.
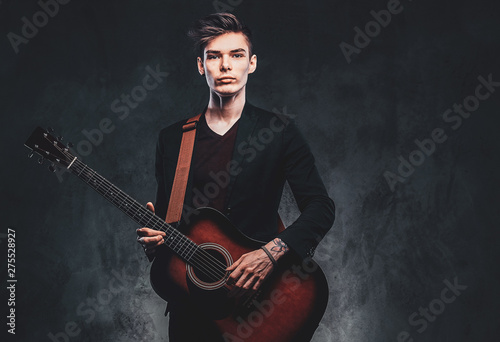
[[143, 231], [160, 241], [248, 285], [150, 207], [263, 276], [234, 265], [154, 241], [235, 275], [151, 241], [257, 284], [244, 290], [149, 232], [237, 289]]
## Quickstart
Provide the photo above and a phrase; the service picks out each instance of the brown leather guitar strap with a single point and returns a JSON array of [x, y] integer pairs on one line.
[[174, 210]]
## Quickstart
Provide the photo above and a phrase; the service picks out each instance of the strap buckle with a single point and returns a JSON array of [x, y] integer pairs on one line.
[[189, 126]]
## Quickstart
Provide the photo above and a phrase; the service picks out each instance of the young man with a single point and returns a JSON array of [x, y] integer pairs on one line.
[[242, 157]]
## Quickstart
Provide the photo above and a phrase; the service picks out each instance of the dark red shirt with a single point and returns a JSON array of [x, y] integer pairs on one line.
[[212, 153]]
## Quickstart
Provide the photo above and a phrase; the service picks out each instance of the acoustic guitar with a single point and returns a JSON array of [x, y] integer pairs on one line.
[[191, 268]]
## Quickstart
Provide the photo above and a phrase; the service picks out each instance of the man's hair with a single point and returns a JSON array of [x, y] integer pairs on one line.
[[206, 29]]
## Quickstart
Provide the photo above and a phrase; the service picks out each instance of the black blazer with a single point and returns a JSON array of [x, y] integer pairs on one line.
[[269, 150]]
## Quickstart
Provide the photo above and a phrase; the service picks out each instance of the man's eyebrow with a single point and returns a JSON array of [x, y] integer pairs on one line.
[[232, 51]]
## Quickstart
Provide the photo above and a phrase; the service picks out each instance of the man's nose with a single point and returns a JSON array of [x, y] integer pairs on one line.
[[225, 64]]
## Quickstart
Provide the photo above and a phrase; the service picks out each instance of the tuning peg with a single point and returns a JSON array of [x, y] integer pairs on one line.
[[50, 129], [69, 145], [40, 160], [30, 155], [52, 168], [60, 138]]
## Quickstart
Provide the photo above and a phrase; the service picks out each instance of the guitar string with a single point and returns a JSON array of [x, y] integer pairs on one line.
[[214, 268], [199, 261]]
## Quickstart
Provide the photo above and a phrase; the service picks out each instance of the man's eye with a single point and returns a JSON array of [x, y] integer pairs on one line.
[[212, 57], [238, 55]]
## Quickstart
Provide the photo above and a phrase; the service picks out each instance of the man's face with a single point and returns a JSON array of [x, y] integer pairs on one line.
[[226, 64]]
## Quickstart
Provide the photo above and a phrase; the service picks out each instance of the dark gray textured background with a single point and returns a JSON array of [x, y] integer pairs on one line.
[[388, 253]]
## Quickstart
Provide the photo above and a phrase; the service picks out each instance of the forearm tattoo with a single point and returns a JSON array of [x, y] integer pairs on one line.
[[279, 246]]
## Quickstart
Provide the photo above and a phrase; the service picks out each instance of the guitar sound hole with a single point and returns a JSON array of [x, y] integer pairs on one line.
[[212, 272], [207, 272]]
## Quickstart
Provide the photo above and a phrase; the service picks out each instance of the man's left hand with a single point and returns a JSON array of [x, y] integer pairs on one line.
[[250, 271]]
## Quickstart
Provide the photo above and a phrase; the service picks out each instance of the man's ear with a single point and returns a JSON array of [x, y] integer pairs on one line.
[[253, 64], [201, 69]]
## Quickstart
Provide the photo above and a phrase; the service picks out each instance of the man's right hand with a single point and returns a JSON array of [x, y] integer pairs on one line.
[[150, 238]]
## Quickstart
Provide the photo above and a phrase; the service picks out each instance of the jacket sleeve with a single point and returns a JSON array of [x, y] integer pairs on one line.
[[316, 207]]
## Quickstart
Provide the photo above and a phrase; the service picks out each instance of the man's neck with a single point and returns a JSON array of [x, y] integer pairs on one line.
[[225, 110]]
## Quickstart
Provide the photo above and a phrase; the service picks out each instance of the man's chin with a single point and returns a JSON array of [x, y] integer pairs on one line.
[[227, 92]]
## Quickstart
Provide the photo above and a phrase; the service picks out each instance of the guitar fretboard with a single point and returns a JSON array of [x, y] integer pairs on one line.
[[174, 239]]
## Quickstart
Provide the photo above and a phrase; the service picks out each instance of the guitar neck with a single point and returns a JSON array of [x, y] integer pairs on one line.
[[175, 240]]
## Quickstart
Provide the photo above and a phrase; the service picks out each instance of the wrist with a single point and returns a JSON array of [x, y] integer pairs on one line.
[[277, 248], [271, 257]]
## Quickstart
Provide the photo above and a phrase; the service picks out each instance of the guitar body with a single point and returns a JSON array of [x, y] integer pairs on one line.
[[288, 306]]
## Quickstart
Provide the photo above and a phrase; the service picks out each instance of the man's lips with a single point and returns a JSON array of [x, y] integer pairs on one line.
[[226, 79]]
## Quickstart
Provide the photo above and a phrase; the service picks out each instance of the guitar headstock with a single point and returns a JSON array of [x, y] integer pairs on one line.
[[49, 147]]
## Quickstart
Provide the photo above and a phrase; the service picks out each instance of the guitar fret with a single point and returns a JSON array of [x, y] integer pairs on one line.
[[81, 170], [185, 247], [126, 208], [148, 217], [88, 180], [95, 183], [180, 240], [86, 173], [117, 199], [137, 216], [183, 251], [181, 246], [169, 240], [191, 249]]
